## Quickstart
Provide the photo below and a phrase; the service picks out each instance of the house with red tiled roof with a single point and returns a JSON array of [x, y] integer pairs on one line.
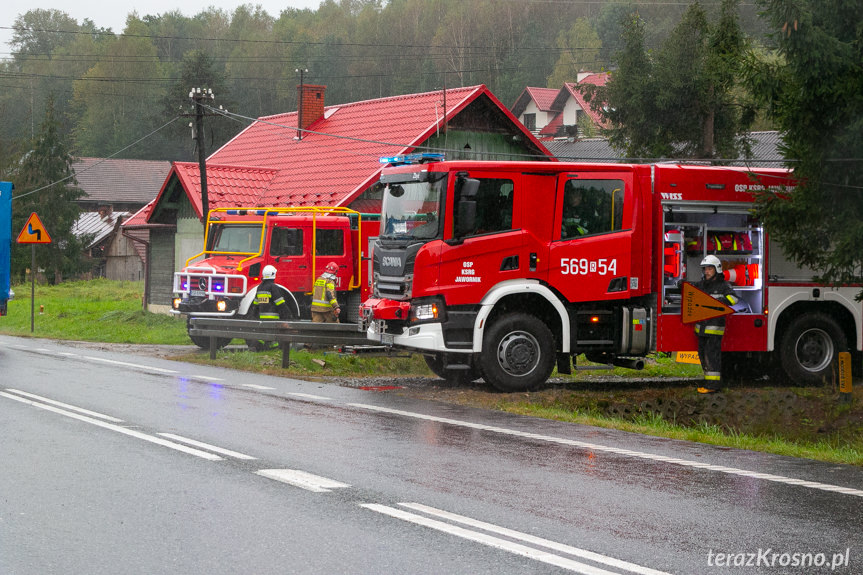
[[533, 108], [323, 156], [563, 112]]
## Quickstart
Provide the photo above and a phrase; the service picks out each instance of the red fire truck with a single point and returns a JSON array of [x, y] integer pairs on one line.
[[493, 270], [222, 280]]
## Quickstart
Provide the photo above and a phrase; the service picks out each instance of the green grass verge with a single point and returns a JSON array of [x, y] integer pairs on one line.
[[832, 449], [96, 310], [811, 426]]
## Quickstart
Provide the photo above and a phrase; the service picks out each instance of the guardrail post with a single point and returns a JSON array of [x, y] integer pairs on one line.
[[212, 347], [845, 380], [286, 353]]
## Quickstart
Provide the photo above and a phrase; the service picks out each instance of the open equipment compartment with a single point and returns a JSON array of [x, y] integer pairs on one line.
[[694, 230]]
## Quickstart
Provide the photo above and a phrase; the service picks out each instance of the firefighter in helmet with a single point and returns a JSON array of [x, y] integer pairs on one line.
[[710, 331], [325, 306], [269, 303]]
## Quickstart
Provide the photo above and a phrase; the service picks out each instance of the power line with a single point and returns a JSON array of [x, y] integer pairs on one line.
[[69, 177]]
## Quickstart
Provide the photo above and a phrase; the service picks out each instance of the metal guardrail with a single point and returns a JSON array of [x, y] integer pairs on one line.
[[284, 332]]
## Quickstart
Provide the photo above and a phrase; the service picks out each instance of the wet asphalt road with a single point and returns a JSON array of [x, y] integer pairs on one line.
[[113, 463]]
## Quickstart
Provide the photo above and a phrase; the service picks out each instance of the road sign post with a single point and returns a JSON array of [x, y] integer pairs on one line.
[[33, 233]]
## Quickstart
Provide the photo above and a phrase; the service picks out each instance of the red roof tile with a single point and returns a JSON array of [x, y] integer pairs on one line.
[[336, 159], [139, 218], [552, 127]]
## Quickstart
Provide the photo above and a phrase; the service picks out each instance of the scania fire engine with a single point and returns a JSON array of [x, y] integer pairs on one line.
[[491, 270], [222, 280]]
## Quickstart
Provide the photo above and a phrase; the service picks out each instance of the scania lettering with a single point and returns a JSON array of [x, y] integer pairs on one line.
[[490, 271], [222, 280]]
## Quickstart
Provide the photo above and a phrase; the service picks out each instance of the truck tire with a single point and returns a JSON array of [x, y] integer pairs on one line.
[[517, 353], [204, 342], [436, 364], [809, 348]]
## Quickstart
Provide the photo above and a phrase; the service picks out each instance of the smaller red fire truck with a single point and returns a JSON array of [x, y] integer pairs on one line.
[[502, 270], [222, 280]]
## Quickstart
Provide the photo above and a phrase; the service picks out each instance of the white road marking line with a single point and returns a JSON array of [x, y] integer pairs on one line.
[[619, 451], [65, 405], [523, 550], [206, 378], [67, 354], [126, 364], [253, 386], [207, 446], [117, 428], [302, 479], [309, 396], [560, 547]]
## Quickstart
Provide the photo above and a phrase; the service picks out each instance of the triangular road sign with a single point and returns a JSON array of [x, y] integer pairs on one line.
[[34, 232], [699, 305]]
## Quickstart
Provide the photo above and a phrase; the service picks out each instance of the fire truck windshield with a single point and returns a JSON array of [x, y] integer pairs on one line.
[[412, 210], [235, 238]]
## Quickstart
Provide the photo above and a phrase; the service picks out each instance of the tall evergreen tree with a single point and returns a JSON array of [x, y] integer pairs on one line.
[[685, 101], [813, 90], [45, 184]]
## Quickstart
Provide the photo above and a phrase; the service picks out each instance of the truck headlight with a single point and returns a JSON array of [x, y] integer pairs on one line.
[[221, 305], [426, 310], [176, 302]]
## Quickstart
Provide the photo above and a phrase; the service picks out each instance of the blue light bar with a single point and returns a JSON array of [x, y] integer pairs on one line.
[[412, 158]]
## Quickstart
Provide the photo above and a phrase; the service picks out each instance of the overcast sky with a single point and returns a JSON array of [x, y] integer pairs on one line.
[[112, 13]]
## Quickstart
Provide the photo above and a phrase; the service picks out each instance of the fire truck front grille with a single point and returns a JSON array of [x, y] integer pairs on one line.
[[397, 288]]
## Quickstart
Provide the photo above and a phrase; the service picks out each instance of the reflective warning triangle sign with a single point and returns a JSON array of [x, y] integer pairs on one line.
[[34, 232], [699, 305]]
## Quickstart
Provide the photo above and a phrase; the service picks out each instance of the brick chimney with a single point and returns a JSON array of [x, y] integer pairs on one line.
[[311, 105]]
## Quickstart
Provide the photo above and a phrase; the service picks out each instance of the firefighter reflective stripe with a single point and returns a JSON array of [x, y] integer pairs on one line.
[[324, 295], [709, 329], [711, 375]]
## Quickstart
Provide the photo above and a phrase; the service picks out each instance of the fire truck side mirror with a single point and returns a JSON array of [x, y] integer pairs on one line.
[[466, 208]]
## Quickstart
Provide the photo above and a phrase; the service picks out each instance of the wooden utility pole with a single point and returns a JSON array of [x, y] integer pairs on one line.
[[199, 96]]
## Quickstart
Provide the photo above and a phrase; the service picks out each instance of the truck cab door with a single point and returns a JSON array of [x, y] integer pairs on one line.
[[332, 244], [490, 251], [590, 258]]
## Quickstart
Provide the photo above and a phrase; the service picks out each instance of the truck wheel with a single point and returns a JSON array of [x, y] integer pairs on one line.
[[204, 342], [517, 353], [436, 363], [809, 347]]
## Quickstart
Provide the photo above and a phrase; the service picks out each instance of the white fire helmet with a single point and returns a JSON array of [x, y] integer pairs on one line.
[[712, 261], [269, 273]]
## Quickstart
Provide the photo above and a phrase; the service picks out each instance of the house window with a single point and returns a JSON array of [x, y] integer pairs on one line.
[[530, 121]]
